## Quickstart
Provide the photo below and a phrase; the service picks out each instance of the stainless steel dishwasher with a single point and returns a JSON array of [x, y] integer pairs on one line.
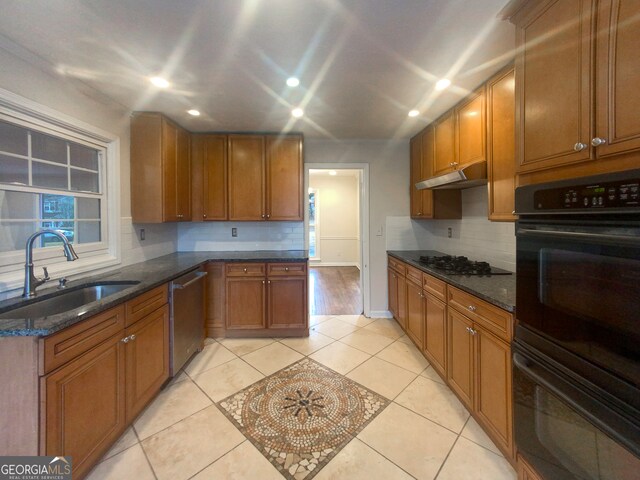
[[187, 317]]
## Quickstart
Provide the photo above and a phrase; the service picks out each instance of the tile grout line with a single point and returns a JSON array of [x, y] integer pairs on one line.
[[384, 456], [446, 458]]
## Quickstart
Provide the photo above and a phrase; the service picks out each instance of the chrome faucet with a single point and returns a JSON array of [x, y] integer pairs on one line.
[[31, 282]]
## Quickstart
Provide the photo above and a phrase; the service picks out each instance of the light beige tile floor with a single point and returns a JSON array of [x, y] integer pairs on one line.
[[424, 432]]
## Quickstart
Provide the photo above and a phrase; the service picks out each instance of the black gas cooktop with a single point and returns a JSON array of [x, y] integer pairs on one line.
[[452, 265]]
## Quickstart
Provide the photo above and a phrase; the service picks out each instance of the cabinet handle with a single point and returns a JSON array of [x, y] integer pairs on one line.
[[597, 141], [180, 215], [268, 281], [204, 215], [578, 147], [268, 216], [455, 164], [419, 213], [263, 282], [469, 329], [244, 270], [125, 340], [471, 308], [263, 215], [473, 332], [132, 336], [286, 269]]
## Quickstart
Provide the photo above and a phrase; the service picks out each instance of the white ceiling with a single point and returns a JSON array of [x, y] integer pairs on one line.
[[363, 64]]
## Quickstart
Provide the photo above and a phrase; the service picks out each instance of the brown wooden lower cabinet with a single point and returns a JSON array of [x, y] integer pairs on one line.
[[398, 296], [147, 359], [84, 405], [415, 314], [260, 297], [87, 402], [435, 326], [460, 359]]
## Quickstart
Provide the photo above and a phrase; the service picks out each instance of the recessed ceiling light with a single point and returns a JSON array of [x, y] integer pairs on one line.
[[414, 113], [297, 112], [442, 83], [159, 82], [293, 82], [193, 112], [332, 172]]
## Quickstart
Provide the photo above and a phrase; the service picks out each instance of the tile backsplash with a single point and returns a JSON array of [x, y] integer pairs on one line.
[[473, 236], [251, 236], [160, 239]]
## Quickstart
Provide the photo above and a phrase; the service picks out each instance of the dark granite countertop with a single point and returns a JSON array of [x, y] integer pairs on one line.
[[499, 290], [149, 274]]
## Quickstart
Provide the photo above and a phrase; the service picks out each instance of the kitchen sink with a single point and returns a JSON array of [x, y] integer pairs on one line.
[[66, 300]]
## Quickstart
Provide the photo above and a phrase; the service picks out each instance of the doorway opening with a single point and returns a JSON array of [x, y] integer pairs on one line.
[[336, 238]]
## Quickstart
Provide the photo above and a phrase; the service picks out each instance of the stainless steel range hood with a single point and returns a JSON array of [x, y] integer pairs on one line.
[[467, 177]]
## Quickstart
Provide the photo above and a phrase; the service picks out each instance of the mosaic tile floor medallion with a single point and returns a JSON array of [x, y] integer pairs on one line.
[[302, 416]]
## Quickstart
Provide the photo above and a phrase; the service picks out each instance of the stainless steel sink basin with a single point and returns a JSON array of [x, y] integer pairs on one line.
[[67, 300]]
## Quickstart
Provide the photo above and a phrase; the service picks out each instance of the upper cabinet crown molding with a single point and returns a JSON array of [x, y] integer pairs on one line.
[[577, 72]]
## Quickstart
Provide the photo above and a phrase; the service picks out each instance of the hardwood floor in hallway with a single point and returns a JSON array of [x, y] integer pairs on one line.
[[334, 291]]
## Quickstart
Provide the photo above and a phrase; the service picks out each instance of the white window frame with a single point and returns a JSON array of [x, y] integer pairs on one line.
[[316, 257], [93, 257]]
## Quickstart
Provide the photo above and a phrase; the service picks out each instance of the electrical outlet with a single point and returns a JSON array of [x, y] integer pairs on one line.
[[449, 232], [142, 235], [234, 232]]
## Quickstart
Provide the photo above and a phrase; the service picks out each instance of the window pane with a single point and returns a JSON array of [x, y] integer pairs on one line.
[[49, 176], [84, 181], [13, 139], [88, 232], [88, 208], [49, 148], [18, 205], [57, 206], [81, 156], [14, 170], [13, 235], [51, 240]]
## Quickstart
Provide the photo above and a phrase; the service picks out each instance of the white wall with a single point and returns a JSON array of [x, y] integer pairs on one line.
[[474, 236], [338, 237], [36, 80], [389, 194]]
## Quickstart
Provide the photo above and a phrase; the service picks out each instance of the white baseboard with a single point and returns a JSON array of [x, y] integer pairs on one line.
[[334, 264], [380, 314]]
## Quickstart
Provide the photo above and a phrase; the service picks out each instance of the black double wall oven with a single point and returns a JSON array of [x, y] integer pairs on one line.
[[576, 349]]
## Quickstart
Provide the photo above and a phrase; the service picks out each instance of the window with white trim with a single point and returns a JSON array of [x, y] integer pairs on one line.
[[56, 172], [48, 181]]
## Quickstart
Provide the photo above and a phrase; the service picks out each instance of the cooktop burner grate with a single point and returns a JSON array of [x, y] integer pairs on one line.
[[459, 265]]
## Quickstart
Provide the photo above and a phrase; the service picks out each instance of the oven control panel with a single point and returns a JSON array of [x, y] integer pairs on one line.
[[616, 194]]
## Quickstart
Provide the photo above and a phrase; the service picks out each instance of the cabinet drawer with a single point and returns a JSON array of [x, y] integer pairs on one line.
[[286, 269], [494, 319], [71, 342], [435, 287], [146, 303], [414, 275], [245, 269], [397, 265]]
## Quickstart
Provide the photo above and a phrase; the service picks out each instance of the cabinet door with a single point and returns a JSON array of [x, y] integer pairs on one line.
[[215, 311], [169, 171], [470, 130], [435, 344], [428, 152], [147, 359], [501, 149], [392, 281], [208, 177], [88, 391], [183, 175], [284, 178], [553, 84], [460, 356], [415, 174], [444, 149], [493, 402], [246, 303], [415, 313], [402, 301], [618, 77], [246, 177], [287, 302]]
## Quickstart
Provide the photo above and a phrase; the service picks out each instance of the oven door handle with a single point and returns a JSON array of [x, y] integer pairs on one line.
[[596, 237], [599, 414]]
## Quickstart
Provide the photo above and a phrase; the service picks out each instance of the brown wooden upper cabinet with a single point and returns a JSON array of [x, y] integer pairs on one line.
[[160, 170], [265, 177], [445, 144], [501, 149], [566, 127], [470, 130], [209, 177], [428, 203]]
